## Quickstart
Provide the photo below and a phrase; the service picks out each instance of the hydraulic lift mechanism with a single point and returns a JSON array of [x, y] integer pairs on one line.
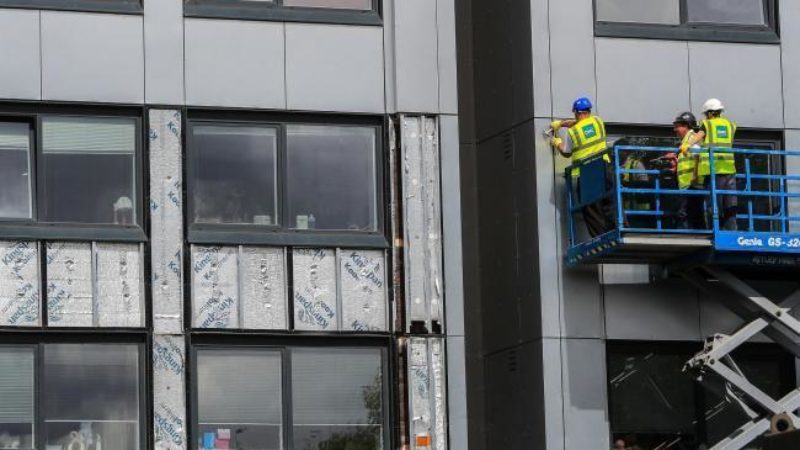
[[765, 245]]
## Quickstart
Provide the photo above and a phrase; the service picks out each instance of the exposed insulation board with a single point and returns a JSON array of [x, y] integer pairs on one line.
[[119, 287], [315, 299], [215, 287], [169, 392], [69, 284], [363, 290], [262, 274], [428, 406], [19, 283], [166, 216]]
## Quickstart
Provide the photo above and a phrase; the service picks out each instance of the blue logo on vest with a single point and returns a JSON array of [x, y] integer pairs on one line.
[[589, 131], [722, 132]]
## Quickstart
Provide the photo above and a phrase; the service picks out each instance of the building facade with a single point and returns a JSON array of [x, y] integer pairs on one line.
[[230, 224], [576, 358]]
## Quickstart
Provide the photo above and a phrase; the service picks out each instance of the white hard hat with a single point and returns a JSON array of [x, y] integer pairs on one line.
[[712, 104]]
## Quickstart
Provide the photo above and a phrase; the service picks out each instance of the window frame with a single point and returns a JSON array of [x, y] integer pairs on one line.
[[277, 12], [37, 343], [134, 7], [280, 233], [34, 228], [285, 345], [695, 31]]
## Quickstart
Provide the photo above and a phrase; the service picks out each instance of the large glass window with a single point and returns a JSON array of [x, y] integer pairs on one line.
[[331, 177], [236, 174], [285, 182], [16, 397], [15, 171], [239, 409], [336, 399], [653, 403], [91, 396], [713, 20], [108, 6], [69, 170], [89, 170]]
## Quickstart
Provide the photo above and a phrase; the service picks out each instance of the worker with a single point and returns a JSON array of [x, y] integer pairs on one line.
[[587, 135], [689, 211], [634, 160], [717, 132]]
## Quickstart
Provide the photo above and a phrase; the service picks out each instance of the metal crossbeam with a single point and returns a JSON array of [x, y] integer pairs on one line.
[[762, 316]]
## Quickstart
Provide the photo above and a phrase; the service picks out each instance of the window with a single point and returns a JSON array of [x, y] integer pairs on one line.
[[654, 404], [84, 396], [285, 183], [711, 20], [78, 172], [357, 12], [109, 6], [336, 399]]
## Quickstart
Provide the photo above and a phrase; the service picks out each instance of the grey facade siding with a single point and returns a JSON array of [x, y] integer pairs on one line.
[[528, 61]]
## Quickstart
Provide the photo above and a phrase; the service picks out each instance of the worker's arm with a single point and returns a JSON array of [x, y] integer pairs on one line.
[[566, 123], [560, 146], [694, 140]]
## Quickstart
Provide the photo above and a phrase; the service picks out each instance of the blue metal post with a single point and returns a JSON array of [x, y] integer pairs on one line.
[[570, 206], [714, 207], [618, 187], [748, 188]]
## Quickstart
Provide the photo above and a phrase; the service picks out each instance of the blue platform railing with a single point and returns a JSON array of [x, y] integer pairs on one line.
[[644, 199]]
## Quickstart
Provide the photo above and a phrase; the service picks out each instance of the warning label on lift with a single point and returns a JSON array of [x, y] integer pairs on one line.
[[757, 242]]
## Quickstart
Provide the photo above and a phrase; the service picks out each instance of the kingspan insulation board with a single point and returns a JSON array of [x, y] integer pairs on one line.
[[262, 273], [421, 183], [69, 284], [427, 396], [119, 285], [315, 289], [19, 283], [169, 392], [166, 218], [363, 290], [215, 287]]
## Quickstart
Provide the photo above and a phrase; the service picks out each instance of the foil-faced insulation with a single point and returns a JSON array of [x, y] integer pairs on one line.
[[19, 283], [262, 274], [315, 286], [215, 287], [69, 284], [422, 212], [426, 377], [169, 393], [119, 285], [166, 217], [363, 290]]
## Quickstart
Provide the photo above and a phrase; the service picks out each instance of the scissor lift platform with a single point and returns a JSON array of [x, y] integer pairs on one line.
[[717, 261]]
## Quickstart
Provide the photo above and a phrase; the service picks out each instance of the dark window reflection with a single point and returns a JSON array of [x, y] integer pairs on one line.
[[337, 399], [738, 12], [654, 404], [89, 170], [16, 397], [15, 171], [331, 4], [331, 177], [239, 399], [236, 175], [91, 396]]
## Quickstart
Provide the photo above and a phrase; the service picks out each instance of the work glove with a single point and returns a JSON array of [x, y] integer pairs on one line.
[[556, 124], [556, 142]]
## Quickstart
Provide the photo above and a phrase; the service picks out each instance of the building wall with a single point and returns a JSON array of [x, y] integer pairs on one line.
[[531, 59], [168, 63]]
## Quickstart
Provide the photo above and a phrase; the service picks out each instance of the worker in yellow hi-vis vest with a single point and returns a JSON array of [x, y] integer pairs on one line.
[[689, 212], [718, 132], [587, 135]]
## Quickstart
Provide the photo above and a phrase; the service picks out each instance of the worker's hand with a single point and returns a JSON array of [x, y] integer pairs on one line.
[[684, 149], [556, 124], [556, 142]]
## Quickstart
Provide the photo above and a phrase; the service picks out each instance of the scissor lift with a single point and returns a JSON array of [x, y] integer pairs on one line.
[[767, 244]]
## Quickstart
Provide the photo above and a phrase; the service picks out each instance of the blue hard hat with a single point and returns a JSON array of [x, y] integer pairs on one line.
[[582, 104]]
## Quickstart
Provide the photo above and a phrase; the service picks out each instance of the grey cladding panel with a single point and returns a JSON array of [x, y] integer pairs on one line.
[[334, 68], [448, 86], [585, 398], [750, 92], [572, 53], [790, 46], [19, 42], [92, 57], [235, 63], [163, 41], [452, 223], [540, 31], [642, 80], [416, 55]]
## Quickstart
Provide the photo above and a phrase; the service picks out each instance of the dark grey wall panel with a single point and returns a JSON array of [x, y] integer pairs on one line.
[[416, 55], [163, 42]]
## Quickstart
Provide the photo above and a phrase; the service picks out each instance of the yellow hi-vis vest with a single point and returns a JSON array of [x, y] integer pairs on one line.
[[588, 139], [719, 133], [686, 164]]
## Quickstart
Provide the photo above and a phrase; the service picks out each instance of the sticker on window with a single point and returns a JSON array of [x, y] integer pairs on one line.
[[589, 131]]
